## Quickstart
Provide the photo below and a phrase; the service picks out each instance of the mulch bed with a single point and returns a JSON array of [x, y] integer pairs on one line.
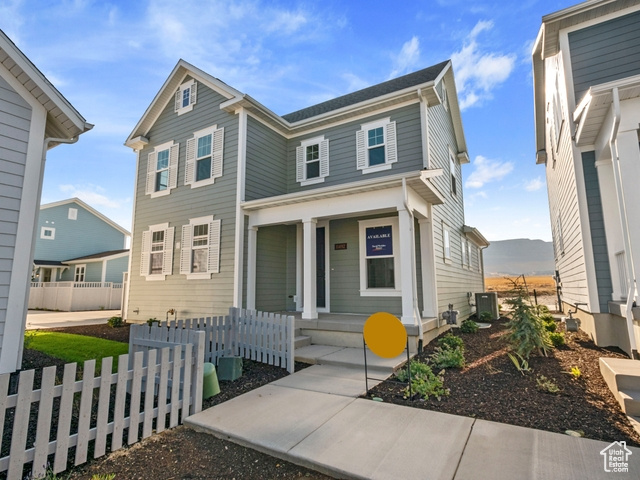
[[489, 387]]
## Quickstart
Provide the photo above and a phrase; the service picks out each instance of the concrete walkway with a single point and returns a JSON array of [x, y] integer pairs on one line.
[[314, 418], [38, 319]]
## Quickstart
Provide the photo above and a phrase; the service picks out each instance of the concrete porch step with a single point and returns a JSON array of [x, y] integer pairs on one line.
[[623, 379], [349, 357], [301, 341]]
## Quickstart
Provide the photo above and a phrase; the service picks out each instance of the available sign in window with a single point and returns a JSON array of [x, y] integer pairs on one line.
[[380, 263]]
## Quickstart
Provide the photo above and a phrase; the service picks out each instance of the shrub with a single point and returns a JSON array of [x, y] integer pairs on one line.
[[468, 326], [485, 317], [550, 326], [451, 341], [542, 309], [115, 322], [423, 381], [448, 358], [557, 339], [525, 330], [546, 384], [575, 372], [546, 317]]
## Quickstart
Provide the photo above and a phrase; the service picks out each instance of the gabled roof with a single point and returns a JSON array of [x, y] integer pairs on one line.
[[99, 256], [90, 209], [63, 120], [422, 83]]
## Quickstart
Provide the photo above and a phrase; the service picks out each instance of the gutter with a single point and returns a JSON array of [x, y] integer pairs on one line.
[[414, 286], [631, 277]]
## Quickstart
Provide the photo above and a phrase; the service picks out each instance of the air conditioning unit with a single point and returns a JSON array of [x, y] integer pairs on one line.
[[488, 302]]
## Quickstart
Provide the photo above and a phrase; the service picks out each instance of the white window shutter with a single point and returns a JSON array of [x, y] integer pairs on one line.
[[392, 151], [173, 165], [167, 258], [217, 153], [151, 173], [214, 247], [146, 251], [178, 101], [185, 251], [189, 170], [361, 154], [324, 158], [194, 91], [300, 164]]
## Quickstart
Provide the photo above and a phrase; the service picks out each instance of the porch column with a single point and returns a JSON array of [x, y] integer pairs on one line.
[[407, 267], [428, 267], [309, 300], [252, 246]]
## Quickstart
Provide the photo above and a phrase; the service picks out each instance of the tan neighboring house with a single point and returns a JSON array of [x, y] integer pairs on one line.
[[34, 117], [586, 70]]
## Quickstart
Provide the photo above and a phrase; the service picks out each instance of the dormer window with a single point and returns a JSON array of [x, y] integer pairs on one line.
[[186, 97]]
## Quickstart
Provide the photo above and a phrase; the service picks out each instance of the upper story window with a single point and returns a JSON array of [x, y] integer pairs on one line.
[[200, 248], [186, 97], [312, 161], [73, 214], [446, 243], [157, 252], [48, 233], [376, 146], [162, 169], [204, 157], [452, 172]]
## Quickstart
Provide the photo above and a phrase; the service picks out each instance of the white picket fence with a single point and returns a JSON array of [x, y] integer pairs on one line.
[[75, 296], [260, 336], [81, 416]]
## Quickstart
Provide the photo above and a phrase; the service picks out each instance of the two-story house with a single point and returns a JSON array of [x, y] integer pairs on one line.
[[34, 117], [351, 206], [586, 70]]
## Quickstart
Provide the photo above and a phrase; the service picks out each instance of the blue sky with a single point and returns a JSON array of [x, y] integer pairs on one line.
[[110, 59]]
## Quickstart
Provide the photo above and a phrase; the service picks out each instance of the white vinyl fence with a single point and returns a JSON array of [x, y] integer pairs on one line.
[[75, 296], [260, 336], [162, 385]]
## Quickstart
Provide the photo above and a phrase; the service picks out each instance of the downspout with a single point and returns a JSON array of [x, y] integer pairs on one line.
[[414, 286], [631, 277]]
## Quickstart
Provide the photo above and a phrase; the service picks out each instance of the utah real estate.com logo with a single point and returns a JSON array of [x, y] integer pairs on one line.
[[616, 457]]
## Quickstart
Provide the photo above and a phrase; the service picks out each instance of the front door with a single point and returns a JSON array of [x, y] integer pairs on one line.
[[321, 279]]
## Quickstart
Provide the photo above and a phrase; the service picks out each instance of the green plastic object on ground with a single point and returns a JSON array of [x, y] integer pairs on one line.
[[229, 368], [210, 385]]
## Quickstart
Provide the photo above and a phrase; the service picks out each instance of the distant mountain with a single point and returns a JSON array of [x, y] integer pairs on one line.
[[519, 256]]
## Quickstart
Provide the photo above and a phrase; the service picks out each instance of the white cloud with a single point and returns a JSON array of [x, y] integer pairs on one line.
[[487, 170], [479, 72], [534, 184], [92, 195], [354, 82], [407, 58]]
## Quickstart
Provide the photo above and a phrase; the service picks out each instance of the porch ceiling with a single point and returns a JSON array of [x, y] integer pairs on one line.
[[419, 181]]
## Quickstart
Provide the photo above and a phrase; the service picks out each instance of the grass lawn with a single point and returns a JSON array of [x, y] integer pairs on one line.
[[75, 348]]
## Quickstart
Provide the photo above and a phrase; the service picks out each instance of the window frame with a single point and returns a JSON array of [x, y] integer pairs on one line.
[[72, 214], [190, 86], [172, 169], [147, 251], [82, 274], [365, 291], [323, 161], [213, 247], [217, 157], [43, 231], [389, 135], [446, 243], [453, 173]]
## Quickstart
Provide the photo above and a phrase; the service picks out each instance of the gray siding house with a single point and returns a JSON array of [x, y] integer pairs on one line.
[[34, 117], [586, 69], [345, 208]]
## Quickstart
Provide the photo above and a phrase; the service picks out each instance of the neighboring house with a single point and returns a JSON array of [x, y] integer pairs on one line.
[[76, 243], [351, 206], [586, 69], [34, 117]]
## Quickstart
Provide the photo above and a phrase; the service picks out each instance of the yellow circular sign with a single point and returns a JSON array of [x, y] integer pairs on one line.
[[385, 335]]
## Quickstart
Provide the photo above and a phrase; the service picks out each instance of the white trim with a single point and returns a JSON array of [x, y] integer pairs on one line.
[[168, 237], [72, 214], [424, 131], [380, 292], [172, 163], [82, 266], [453, 174], [217, 157], [446, 242], [363, 148], [323, 161], [179, 93], [309, 308], [43, 231], [327, 277], [238, 260], [428, 268]]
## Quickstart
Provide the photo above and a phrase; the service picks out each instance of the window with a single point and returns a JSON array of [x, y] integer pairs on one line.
[[452, 172], [463, 251], [559, 243], [200, 248], [444, 96], [204, 157], [446, 242], [157, 252], [312, 161], [376, 146], [479, 255], [469, 259], [379, 258], [79, 273], [48, 233], [186, 97], [73, 214], [162, 169]]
